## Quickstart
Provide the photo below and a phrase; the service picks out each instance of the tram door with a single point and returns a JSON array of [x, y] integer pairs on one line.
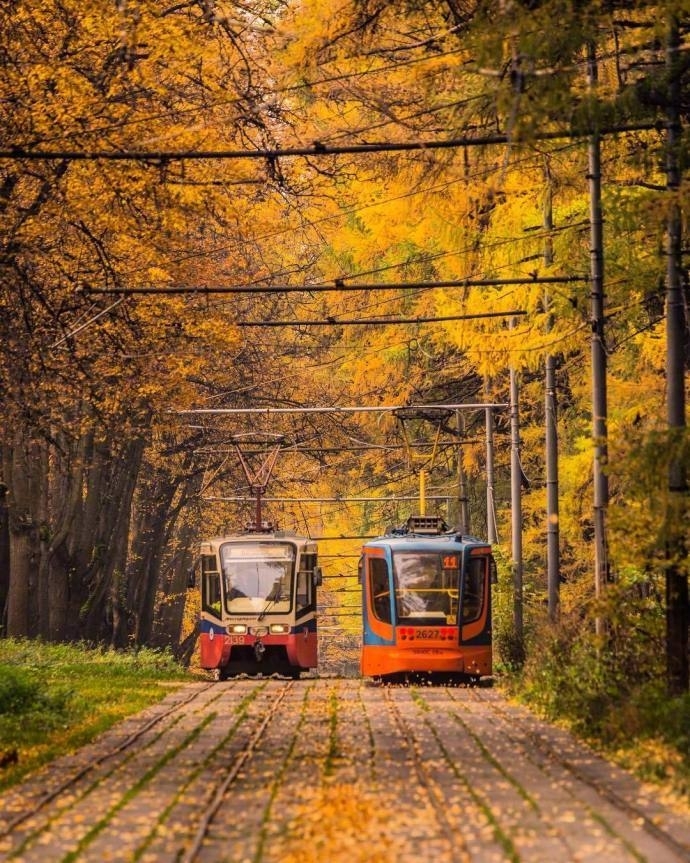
[[478, 574]]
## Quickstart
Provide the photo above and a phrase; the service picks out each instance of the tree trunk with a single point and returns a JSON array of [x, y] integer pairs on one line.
[[104, 615], [24, 549], [4, 551], [167, 630]]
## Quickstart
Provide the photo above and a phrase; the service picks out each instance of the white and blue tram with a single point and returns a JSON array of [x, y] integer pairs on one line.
[[258, 604]]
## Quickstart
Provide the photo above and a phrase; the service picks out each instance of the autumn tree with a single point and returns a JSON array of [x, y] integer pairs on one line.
[[86, 377], [517, 72], [109, 486]]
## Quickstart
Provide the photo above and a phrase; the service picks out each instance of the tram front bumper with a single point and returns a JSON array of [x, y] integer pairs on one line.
[[378, 661]]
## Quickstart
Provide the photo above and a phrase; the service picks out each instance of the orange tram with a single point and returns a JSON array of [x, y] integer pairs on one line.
[[258, 603], [426, 604]]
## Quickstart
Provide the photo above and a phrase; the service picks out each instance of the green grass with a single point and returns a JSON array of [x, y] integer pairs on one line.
[[57, 697], [614, 697]]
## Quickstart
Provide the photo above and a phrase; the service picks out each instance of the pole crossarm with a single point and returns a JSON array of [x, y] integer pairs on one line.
[[338, 409], [339, 285], [245, 499]]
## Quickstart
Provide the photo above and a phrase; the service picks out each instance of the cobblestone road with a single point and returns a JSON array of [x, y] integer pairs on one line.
[[336, 770]]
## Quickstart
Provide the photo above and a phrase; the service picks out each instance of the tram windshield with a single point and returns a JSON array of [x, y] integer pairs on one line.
[[257, 576], [426, 586]]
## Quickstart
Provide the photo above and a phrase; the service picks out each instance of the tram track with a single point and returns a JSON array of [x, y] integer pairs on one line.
[[190, 854], [95, 798], [264, 770], [546, 746], [73, 778], [456, 842]]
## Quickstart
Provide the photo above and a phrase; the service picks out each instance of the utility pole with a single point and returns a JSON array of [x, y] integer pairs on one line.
[[599, 397], [553, 569], [676, 553], [553, 575], [463, 499], [516, 503], [491, 532]]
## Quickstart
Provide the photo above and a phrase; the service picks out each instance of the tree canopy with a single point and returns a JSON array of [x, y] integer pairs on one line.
[[110, 483]]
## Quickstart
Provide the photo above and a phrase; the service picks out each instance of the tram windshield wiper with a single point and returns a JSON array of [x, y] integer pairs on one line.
[[263, 612], [274, 596]]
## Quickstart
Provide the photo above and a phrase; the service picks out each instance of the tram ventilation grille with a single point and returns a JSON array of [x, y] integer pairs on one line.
[[426, 524]]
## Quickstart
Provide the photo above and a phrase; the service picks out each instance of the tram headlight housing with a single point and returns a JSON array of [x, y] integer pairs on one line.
[[238, 628], [280, 629]]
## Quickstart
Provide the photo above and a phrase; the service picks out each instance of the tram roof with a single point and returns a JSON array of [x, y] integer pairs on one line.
[[425, 542], [260, 536]]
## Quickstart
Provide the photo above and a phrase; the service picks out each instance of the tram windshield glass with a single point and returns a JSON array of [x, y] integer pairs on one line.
[[426, 586], [257, 576]]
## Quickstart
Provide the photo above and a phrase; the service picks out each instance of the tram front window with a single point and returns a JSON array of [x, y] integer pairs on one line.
[[426, 587], [257, 577]]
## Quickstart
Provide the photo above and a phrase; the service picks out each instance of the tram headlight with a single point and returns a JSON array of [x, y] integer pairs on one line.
[[280, 628], [238, 628]]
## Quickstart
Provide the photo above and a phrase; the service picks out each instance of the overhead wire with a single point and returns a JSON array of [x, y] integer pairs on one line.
[[345, 213], [359, 322], [348, 212], [326, 80], [339, 509], [398, 265], [287, 89], [374, 70], [425, 259], [413, 292], [16, 152]]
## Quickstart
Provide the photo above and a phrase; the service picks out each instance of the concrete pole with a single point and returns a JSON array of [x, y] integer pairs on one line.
[[553, 566], [553, 575]]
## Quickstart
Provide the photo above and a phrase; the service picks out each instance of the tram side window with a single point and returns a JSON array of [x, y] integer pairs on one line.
[[311, 563], [304, 588], [475, 581], [380, 589], [210, 585], [305, 582]]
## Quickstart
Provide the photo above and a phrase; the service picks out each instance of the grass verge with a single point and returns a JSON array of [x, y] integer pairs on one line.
[[614, 698], [57, 697]]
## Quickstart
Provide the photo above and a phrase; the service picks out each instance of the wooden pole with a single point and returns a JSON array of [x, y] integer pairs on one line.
[[599, 395], [676, 577]]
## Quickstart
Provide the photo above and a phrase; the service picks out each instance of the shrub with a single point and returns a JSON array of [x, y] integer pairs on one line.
[[18, 692]]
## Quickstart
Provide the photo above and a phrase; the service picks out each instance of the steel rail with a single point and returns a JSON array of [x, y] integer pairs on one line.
[[219, 796], [73, 778], [636, 813]]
